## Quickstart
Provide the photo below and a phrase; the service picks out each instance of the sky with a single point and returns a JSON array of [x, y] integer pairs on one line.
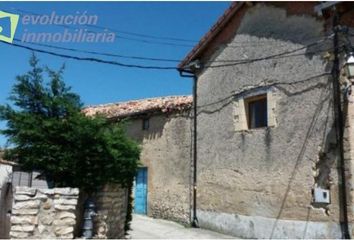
[[99, 83]]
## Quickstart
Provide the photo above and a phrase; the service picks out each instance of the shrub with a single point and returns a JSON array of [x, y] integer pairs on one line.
[[48, 132]]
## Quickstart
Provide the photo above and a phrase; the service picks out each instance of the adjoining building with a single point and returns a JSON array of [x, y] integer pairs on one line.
[[162, 128], [272, 160]]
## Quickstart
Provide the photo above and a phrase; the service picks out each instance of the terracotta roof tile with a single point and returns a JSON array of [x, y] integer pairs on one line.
[[136, 107]]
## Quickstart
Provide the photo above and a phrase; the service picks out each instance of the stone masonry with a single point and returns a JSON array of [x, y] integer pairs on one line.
[[165, 150], [259, 182], [43, 213], [111, 204]]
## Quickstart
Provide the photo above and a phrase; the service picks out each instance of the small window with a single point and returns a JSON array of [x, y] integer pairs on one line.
[[256, 111], [146, 124]]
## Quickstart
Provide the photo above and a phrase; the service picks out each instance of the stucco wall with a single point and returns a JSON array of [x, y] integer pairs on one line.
[[263, 178], [5, 173], [166, 152], [348, 138]]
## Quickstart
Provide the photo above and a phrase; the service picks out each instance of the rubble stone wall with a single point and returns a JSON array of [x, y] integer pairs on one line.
[[43, 213], [111, 204], [166, 152]]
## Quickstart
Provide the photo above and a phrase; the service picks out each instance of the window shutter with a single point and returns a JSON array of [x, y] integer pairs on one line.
[[271, 105]]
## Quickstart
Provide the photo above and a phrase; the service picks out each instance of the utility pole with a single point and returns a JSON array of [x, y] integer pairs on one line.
[[339, 123]]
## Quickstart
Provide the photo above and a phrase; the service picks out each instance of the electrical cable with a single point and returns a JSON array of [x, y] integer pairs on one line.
[[261, 85], [139, 57], [142, 35], [270, 56], [101, 53], [90, 59], [237, 62], [119, 32]]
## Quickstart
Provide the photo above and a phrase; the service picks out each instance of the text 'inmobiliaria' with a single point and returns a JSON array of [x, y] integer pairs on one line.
[[75, 29]]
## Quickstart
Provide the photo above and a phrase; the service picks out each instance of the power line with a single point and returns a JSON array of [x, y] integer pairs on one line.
[[270, 56], [237, 62], [262, 85], [156, 42], [119, 32], [143, 35], [300, 156], [166, 59], [259, 42], [91, 59], [102, 53], [277, 56]]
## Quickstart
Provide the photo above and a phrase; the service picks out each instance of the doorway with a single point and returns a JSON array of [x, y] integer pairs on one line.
[[140, 200]]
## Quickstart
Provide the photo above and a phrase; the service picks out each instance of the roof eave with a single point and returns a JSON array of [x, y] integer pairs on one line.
[[210, 35], [149, 112]]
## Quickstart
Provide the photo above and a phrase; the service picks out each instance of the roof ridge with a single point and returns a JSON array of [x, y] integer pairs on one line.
[[135, 100], [164, 104]]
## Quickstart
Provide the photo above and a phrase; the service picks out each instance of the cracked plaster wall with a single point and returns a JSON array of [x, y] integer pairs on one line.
[[268, 172]]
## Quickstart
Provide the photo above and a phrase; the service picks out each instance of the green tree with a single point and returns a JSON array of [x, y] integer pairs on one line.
[[48, 132]]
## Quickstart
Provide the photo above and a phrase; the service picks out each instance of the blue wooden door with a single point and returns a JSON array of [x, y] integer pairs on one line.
[[140, 200]]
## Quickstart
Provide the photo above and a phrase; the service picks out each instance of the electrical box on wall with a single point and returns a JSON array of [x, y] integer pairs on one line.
[[321, 195]]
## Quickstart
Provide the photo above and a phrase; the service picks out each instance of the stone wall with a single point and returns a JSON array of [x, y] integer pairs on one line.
[[257, 183], [43, 213], [111, 202], [57, 213], [166, 152]]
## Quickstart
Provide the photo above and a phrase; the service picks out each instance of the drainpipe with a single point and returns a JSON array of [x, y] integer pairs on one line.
[[340, 128], [195, 219], [193, 66]]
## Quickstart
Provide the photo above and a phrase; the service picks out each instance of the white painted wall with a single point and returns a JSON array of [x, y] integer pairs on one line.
[[5, 171]]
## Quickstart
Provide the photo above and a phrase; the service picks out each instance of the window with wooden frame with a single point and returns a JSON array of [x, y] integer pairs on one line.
[[256, 111]]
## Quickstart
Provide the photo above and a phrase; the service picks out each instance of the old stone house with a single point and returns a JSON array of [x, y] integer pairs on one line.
[[271, 150], [162, 188], [162, 128]]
